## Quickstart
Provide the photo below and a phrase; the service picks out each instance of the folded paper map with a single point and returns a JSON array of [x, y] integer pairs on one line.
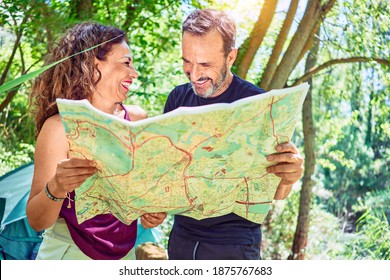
[[200, 162]]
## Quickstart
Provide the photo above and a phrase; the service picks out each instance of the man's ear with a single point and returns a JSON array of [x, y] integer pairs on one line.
[[232, 57]]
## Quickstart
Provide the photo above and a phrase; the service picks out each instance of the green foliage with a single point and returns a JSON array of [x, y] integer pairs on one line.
[[377, 202], [16, 134], [21, 154], [166, 229], [354, 146], [155, 43], [350, 119], [372, 240], [324, 240], [368, 39], [278, 229]]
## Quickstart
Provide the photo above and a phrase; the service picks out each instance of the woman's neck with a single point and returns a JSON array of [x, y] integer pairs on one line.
[[106, 107]]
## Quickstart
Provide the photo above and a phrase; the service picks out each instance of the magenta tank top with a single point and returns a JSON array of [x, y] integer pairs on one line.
[[103, 237]]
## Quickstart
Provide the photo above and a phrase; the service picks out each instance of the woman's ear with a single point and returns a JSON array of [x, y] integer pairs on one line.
[[96, 68]]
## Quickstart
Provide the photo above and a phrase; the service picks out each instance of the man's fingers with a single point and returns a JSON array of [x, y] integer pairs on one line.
[[286, 147], [285, 157], [290, 177], [285, 168], [289, 163]]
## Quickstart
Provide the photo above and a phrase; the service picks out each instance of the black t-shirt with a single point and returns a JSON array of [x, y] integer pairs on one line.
[[230, 228]]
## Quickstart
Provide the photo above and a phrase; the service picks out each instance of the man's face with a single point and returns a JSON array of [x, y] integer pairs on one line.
[[205, 64]]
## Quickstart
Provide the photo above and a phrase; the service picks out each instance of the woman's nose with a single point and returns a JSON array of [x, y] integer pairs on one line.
[[134, 73]]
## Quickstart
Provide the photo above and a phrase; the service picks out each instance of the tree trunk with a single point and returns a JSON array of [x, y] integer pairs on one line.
[[294, 50], [277, 49], [302, 230], [3, 77], [50, 19], [19, 34], [251, 44], [309, 41], [81, 9], [10, 95], [131, 14], [368, 140]]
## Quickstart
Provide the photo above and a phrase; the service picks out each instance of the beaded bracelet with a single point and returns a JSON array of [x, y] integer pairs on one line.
[[52, 197]]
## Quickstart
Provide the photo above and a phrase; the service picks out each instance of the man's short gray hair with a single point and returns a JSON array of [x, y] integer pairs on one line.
[[201, 22]]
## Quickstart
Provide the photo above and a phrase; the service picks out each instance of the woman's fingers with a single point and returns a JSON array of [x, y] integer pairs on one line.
[[71, 173]]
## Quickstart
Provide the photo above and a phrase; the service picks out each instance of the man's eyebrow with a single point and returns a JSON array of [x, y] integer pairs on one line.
[[201, 63], [128, 57]]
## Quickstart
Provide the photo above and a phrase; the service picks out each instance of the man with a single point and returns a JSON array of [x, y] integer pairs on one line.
[[208, 52]]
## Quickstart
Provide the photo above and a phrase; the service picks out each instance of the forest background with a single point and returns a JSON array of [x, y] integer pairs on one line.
[[340, 209]]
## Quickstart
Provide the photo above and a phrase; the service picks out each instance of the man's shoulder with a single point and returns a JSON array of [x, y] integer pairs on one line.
[[241, 88], [180, 96], [244, 84], [181, 89]]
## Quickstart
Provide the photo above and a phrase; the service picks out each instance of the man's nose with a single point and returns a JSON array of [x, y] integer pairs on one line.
[[195, 73]]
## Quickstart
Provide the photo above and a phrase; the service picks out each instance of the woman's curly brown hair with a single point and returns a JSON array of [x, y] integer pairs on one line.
[[75, 77]]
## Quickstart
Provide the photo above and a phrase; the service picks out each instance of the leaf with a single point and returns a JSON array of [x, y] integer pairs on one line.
[[18, 81]]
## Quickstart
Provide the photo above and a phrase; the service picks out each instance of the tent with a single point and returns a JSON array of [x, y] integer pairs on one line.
[[17, 239]]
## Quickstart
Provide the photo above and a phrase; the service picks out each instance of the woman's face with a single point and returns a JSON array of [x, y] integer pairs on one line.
[[117, 74]]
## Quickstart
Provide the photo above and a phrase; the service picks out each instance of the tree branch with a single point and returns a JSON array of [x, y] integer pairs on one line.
[[329, 63], [298, 41], [15, 47], [301, 41], [248, 50], [8, 98], [278, 47]]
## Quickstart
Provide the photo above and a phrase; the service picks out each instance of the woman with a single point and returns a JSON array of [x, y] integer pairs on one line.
[[103, 76]]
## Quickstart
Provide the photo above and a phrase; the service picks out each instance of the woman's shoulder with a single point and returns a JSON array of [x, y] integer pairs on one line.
[[52, 128], [52, 138], [53, 122], [135, 112]]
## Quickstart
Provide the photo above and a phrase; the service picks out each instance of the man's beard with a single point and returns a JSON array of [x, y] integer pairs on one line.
[[215, 86]]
